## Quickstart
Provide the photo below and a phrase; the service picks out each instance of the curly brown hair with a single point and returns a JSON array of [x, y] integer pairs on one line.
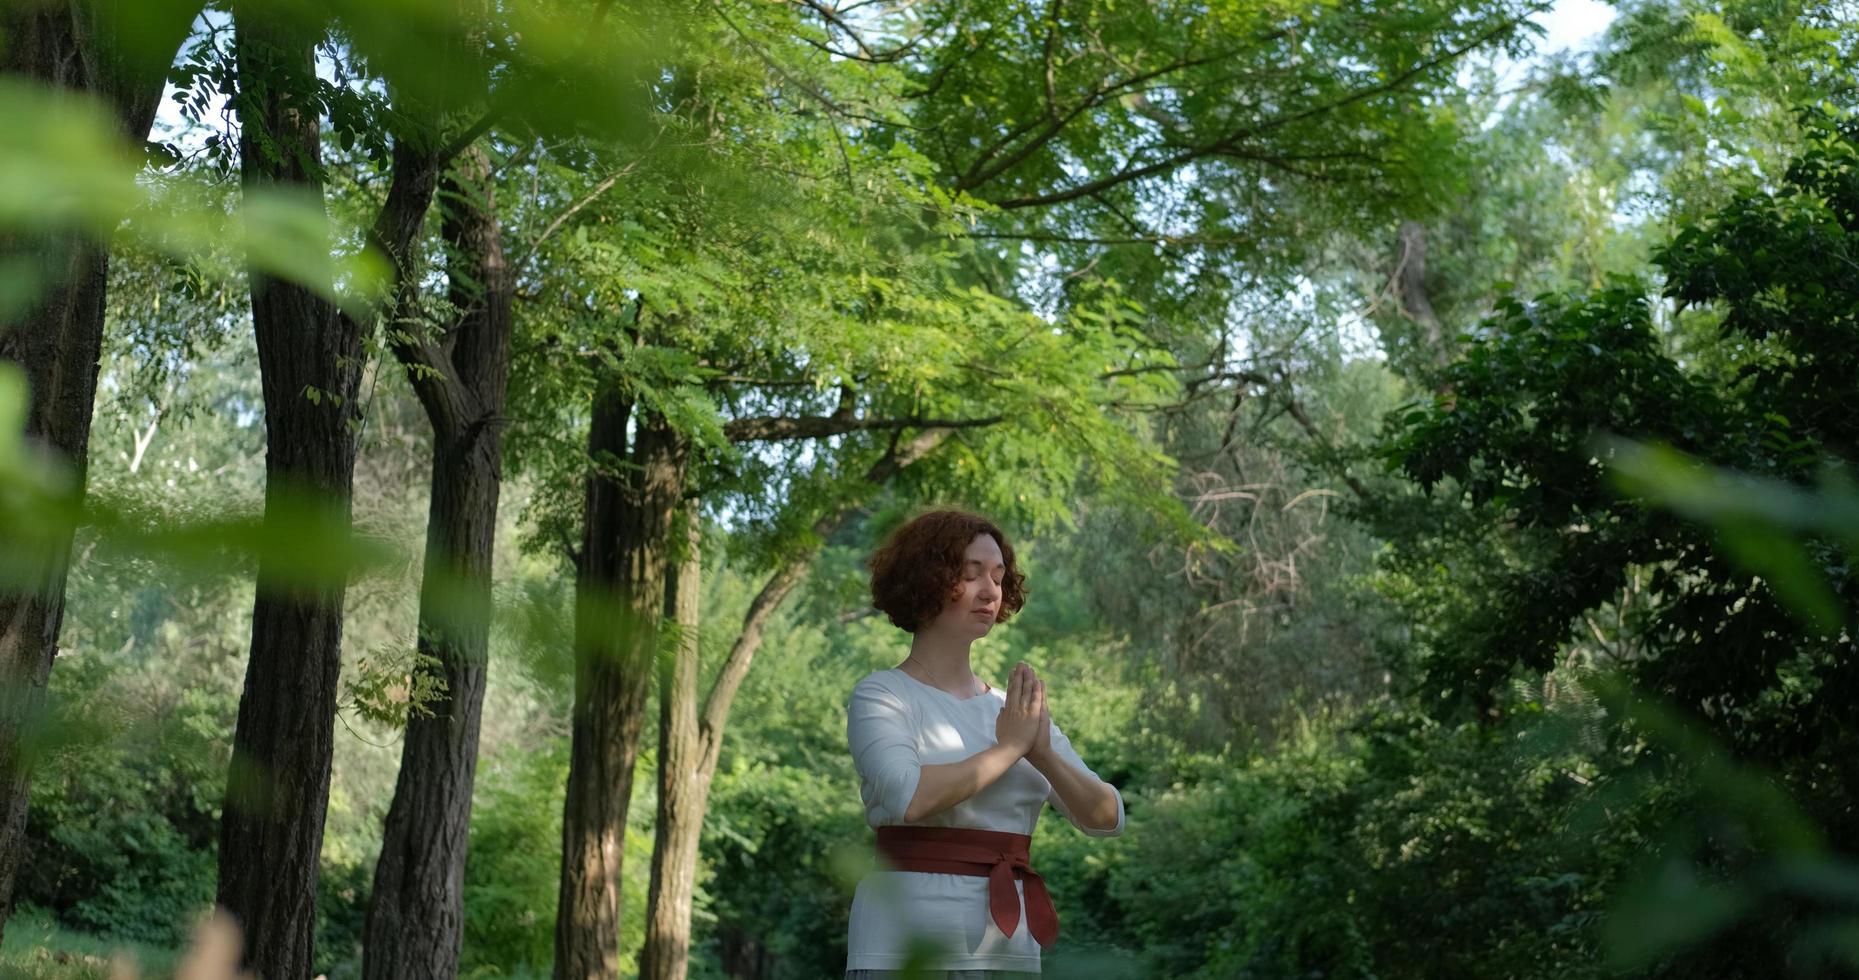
[[916, 570]]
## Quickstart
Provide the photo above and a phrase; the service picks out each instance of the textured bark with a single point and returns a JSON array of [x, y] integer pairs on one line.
[[689, 749], [277, 790], [1410, 275], [416, 909], [58, 345], [57, 342], [620, 595], [683, 786]]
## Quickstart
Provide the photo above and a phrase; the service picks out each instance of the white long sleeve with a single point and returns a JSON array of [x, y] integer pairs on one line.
[[896, 725], [884, 750]]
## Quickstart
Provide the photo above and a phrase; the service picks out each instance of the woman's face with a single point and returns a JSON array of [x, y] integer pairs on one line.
[[976, 603]]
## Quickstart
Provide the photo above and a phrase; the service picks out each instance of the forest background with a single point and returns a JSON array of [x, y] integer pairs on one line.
[[452, 430]]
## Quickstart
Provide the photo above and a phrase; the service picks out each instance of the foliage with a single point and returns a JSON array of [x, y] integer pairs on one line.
[[1512, 435], [780, 839], [511, 874], [510, 890], [124, 811], [38, 948], [1383, 846], [1705, 616], [1568, 734]]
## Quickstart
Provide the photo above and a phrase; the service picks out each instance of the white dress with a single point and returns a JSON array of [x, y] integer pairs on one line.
[[895, 725]]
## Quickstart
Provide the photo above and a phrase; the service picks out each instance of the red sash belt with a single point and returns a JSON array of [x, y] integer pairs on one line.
[[998, 856]]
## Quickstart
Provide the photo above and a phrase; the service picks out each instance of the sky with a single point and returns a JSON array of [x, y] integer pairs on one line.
[[1574, 24], [1568, 25]]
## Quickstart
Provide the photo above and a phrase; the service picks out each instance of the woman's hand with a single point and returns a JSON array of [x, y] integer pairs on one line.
[[1042, 744], [1022, 722], [1019, 726]]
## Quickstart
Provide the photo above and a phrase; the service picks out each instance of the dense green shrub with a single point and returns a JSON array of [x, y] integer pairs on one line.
[[510, 883], [783, 848], [122, 813], [1391, 847]]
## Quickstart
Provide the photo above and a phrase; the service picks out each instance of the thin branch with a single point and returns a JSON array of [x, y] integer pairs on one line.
[[935, 82], [745, 379], [1038, 236], [735, 667], [1249, 377], [1052, 32], [980, 172], [818, 95], [1297, 412], [1230, 143], [599, 189], [865, 51], [832, 17], [772, 65], [769, 428]]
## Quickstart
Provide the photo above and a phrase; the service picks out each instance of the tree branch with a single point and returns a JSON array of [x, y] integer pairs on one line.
[[980, 172], [773, 66], [1052, 36], [782, 582], [1172, 240], [769, 428], [589, 198], [865, 52], [1297, 412], [1230, 143], [409, 196]]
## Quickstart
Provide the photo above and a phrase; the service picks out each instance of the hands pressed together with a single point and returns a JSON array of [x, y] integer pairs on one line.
[[1025, 721], [1022, 730]]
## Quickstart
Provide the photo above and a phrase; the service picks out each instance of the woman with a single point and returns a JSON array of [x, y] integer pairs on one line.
[[954, 771]]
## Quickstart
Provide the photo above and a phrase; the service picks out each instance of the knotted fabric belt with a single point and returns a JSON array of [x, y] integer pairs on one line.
[[998, 856]]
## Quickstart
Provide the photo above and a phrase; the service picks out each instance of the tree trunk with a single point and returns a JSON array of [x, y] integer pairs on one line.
[[416, 909], [632, 501], [1410, 289], [744, 957], [688, 750], [683, 784], [58, 341], [310, 357]]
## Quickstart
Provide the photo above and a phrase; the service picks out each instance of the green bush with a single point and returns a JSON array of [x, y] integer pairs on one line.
[[122, 814], [782, 845], [341, 916], [1391, 848], [513, 868]]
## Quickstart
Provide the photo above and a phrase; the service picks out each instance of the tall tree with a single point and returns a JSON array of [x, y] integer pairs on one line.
[[311, 353], [633, 498], [310, 358], [691, 736], [1737, 631], [118, 52], [459, 367], [461, 374], [674, 850]]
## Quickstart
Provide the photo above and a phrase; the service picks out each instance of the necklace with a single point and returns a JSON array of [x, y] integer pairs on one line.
[[927, 670]]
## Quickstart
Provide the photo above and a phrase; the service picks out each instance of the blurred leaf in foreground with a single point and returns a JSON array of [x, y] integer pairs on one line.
[[64, 168], [1771, 527]]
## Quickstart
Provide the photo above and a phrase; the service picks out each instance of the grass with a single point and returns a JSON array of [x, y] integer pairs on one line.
[[38, 948]]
